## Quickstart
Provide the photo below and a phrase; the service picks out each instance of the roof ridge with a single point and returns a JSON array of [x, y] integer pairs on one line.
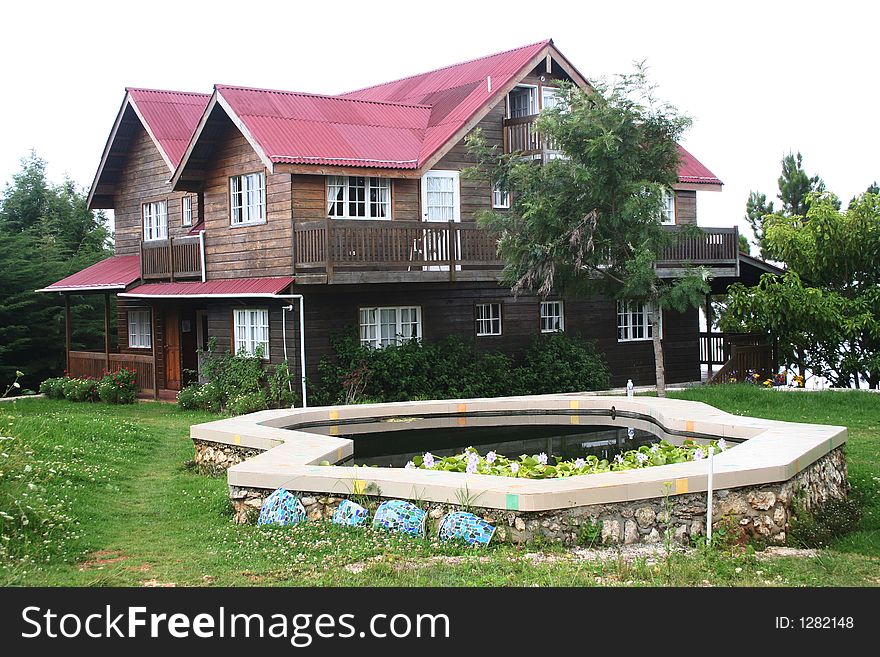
[[443, 68], [324, 96], [197, 94]]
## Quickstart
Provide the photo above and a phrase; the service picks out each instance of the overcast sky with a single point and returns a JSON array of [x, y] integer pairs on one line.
[[759, 78]]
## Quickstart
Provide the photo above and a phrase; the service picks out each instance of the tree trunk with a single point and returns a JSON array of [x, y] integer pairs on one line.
[[659, 367]]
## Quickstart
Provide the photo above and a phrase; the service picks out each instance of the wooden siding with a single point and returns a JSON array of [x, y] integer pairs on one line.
[[245, 251], [123, 305], [449, 310], [220, 327], [685, 206], [144, 178]]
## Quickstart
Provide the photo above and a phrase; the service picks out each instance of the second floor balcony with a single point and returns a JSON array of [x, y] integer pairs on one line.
[[519, 135], [358, 251], [172, 258]]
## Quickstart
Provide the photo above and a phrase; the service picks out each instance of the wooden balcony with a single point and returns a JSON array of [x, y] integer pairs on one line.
[[520, 136], [359, 251], [172, 258]]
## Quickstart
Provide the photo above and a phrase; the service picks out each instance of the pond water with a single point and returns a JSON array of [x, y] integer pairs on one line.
[[393, 443]]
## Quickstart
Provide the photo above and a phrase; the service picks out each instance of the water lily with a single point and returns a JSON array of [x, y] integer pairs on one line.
[[542, 458], [618, 458], [473, 462], [428, 460], [491, 456], [641, 457], [699, 455], [514, 467], [579, 463], [722, 445]]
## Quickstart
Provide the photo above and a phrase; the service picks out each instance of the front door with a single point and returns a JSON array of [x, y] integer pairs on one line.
[[172, 349]]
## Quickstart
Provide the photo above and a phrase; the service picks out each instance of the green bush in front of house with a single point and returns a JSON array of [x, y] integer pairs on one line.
[[454, 369], [238, 384], [53, 388], [119, 387], [80, 389]]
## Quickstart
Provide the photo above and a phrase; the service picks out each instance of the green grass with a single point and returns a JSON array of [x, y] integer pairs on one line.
[[110, 500]]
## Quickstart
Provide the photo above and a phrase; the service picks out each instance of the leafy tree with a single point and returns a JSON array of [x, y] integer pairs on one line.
[[795, 188], [590, 222], [825, 310], [46, 233]]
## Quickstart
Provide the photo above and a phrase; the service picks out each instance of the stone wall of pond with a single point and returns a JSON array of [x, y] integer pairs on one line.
[[759, 512], [215, 458]]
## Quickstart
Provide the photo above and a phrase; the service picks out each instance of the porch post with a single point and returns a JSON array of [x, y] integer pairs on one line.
[[107, 330], [68, 335], [153, 337], [709, 342]]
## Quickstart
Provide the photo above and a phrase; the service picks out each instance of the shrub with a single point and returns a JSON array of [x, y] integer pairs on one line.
[[199, 396], [281, 389], [53, 388], [80, 390], [119, 387], [249, 402], [561, 363], [819, 528]]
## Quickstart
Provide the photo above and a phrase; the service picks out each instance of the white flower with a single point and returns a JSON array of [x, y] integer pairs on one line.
[[618, 458], [722, 445], [641, 457], [410, 465], [542, 458], [699, 455], [16, 384], [655, 448], [27, 468], [491, 456], [579, 463], [514, 467]]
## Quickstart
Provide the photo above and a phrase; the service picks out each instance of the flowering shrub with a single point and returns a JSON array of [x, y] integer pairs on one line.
[[80, 390], [53, 388], [538, 467], [119, 387]]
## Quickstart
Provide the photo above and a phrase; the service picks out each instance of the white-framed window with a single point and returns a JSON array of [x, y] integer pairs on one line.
[[247, 199], [441, 196], [155, 220], [500, 197], [549, 97], [552, 316], [186, 210], [358, 197], [140, 335], [382, 326], [488, 316], [522, 101], [667, 216], [251, 327], [634, 321]]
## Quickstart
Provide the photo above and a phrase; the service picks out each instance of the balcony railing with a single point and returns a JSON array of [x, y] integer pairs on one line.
[[520, 135], [94, 363], [172, 258], [402, 248]]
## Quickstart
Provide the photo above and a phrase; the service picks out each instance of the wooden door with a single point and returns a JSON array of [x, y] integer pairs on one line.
[[172, 349]]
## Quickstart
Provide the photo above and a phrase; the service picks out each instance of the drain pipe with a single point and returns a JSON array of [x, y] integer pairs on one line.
[[302, 338], [709, 497]]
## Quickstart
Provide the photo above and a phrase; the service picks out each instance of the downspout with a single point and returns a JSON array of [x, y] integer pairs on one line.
[[302, 339]]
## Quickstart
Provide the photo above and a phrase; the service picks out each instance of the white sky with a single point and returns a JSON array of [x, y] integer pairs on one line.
[[759, 78]]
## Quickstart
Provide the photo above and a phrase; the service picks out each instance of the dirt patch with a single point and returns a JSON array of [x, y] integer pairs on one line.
[[101, 559], [155, 583]]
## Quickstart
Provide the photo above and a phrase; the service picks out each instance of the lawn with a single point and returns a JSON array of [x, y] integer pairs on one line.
[[110, 500]]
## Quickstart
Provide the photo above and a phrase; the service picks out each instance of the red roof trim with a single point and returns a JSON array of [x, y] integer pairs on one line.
[[114, 273], [226, 287]]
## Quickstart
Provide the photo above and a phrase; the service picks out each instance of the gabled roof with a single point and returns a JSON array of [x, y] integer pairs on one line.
[[691, 170], [169, 118], [114, 273]]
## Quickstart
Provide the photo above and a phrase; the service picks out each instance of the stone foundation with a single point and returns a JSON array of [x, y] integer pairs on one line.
[[760, 512], [215, 458]]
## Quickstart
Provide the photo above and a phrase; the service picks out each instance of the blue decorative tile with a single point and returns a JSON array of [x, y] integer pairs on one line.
[[466, 527], [282, 508], [350, 514], [400, 516]]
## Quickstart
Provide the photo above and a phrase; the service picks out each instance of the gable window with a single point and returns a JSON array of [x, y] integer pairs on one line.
[[552, 317], [155, 220], [382, 326], [522, 101], [549, 97], [488, 317], [247, 199], [186, 210], [667, 213], [139, 329], [441, 196], [634, 321], [358, 197], [251, 328], [500, 197]]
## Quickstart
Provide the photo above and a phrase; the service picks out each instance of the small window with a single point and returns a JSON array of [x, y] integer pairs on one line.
[[251, 331], [552, 317], [383, 326], [186, 211], [549, 97], [667, 217], [155, 221], [500, 197], [358, 197], [634, 321], [139, 329], [488, 319], [247, 196]]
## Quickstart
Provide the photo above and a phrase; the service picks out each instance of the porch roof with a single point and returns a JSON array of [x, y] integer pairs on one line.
[[114, 273], [224, 287]]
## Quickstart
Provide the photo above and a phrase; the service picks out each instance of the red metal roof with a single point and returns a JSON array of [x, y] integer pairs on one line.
[[225, 287], [171, 117], [691, 170], [311, 129], [115, 273]]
